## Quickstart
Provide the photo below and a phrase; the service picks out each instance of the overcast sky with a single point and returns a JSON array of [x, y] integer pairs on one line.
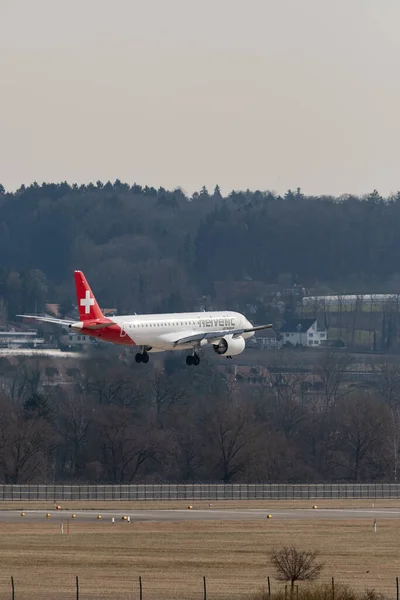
[[267, 94]]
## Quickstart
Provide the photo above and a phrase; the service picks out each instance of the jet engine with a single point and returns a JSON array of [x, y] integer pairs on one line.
[[230, 345]]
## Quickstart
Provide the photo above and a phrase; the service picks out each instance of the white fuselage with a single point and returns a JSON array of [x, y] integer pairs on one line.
[[160, 331]]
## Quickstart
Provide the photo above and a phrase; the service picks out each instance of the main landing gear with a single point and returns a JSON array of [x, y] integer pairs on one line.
[[193, 359], [142, 357]]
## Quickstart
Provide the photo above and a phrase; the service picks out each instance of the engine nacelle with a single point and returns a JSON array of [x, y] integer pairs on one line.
[[230, 345]]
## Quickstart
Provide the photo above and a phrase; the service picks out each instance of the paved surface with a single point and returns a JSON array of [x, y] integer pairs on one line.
[[202, 515]]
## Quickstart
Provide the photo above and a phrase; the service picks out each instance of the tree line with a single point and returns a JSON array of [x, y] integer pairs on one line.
[[119, 423], [145, 249]]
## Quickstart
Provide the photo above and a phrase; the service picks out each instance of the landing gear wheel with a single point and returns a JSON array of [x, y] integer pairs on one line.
[[193, 360], [142, 357]]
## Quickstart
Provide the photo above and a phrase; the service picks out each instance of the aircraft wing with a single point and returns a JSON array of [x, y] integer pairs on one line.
[[211, 336], [64, 322]]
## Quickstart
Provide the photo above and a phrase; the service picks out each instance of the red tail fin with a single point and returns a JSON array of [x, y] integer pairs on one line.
[[87, 304]]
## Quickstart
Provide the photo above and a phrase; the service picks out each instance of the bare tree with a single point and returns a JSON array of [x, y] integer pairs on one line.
[[166, 393], [24, 445], [125, 444], [26, 381], [74, 418], [232, 433], [388, 381], [112, 384], [332, 370], [287, 416], [294, 565], [393, 438], [182, 448], [360, 426]]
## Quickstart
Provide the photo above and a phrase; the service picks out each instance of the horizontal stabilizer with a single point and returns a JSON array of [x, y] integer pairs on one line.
[[93, 324], [63, 322]]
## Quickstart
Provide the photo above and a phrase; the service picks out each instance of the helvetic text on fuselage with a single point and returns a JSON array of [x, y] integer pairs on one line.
[[216, 322]]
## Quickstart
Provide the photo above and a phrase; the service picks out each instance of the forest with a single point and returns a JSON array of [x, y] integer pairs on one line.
[[109, 420], [145, 249]]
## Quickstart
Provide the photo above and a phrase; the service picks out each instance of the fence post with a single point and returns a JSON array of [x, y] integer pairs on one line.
[[77, 587], [140, 588], [205, 587], [12, 588], [397, 588], [269, 588]]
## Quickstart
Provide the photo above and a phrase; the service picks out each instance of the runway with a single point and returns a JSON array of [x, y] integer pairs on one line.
[[210, 514]]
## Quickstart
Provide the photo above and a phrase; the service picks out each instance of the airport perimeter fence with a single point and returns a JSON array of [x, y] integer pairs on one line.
[[77, 588], [240, 491]]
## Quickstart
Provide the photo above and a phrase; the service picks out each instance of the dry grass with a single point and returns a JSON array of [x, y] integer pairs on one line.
[[173, 557], [320, 591], [197, 504]]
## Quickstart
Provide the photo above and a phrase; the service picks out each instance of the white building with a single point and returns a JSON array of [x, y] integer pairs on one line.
[[70, 340], [20, 339], [302, 332], [339, 300]]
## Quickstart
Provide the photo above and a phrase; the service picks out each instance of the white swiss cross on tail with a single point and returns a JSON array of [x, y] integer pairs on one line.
[[88, 307], [87, 302]]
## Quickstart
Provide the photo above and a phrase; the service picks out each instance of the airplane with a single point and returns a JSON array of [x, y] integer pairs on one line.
[[225, 331]]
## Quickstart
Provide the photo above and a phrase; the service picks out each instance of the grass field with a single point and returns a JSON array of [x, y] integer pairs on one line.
[[119, 505], [173, 557], [361, 336]]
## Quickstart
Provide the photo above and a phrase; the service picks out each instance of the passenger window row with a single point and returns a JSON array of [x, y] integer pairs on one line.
[[175, 324]]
